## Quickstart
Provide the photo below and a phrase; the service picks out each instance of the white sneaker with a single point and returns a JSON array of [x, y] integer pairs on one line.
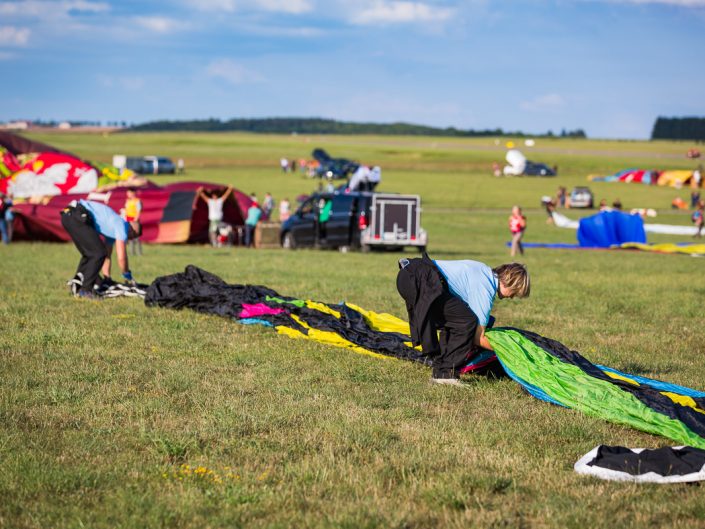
[[447, 381]]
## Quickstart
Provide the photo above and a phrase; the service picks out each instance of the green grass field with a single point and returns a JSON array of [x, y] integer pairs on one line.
[[117, 415]]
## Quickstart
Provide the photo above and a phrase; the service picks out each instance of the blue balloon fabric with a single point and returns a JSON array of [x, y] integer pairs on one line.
[[610, 228]]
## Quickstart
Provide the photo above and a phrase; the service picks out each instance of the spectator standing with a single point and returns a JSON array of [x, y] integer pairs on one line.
[[180, 166], [4, 225], [267, 205], [517, 225], [7, 218], [132, 212], [697, 176], [254, 213], [284, 210], [284, 164], [561, 196], [698, 219], [215, 210], [694, 199]]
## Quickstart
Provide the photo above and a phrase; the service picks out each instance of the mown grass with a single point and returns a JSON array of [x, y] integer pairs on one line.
[[118, 415]]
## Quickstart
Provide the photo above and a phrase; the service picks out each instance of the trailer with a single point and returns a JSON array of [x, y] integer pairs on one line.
[[394, 222]]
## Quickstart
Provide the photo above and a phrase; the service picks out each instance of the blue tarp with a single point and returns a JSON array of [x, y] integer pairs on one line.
[[610, 228]]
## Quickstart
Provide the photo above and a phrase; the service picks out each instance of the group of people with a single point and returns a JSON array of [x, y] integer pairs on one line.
[[306, 167], [221, 233]]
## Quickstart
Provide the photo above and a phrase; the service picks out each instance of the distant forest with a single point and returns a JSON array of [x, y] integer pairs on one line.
[[331, 126], [679, 129]]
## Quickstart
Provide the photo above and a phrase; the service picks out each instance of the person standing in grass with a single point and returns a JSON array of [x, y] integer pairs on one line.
[[698, 219], [215, 210], [131, 213], [455, 298], [254, 213], [517, 225]]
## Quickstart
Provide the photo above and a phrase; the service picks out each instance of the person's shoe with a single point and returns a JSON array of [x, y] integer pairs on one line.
[[83, 294], [75, 284], [447, 381]]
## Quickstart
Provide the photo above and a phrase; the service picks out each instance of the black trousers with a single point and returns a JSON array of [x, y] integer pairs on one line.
[[453, 345], [79, 225]]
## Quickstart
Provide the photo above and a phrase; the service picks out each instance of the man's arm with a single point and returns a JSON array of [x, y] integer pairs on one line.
[[227, 192], [481, 339], [199, 194], [121, 251]]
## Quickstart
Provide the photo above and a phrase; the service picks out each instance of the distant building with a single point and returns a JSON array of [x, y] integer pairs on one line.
[[64, 125], [16, 125]]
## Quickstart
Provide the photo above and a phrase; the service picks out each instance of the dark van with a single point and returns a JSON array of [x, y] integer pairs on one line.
[[360, 220]]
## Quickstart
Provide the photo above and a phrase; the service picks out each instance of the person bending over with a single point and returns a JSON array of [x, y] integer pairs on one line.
[[88, 221], [455, 298]]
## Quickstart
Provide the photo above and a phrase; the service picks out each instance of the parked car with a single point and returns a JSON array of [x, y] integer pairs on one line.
[[538, 169], [150, 165], [581, 197], [359, 220]]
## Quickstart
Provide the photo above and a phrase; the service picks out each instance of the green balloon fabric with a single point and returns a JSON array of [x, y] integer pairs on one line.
[[557, 375]]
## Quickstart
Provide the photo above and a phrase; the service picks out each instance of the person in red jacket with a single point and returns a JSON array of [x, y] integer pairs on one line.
[[517, 225]]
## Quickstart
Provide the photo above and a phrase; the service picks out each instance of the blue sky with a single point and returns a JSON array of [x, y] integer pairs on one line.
[[607, 66]]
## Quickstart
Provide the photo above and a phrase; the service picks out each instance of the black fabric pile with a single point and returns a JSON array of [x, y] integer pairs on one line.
[[204, 292]]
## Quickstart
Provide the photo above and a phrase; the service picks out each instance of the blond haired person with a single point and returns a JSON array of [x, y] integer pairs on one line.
[[455, 298]]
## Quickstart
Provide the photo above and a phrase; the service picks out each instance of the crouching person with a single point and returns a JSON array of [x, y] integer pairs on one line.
[[455, 298], [85, 223]]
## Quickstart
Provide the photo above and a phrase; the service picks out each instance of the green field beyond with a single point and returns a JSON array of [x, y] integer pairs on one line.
[[115, 415]]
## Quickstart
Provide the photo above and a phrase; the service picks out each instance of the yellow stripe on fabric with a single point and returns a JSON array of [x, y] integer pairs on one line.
[[329, 338], [621, 377], [320, 307], [691, 249], [683, 400], [382, 321], [288, 331]]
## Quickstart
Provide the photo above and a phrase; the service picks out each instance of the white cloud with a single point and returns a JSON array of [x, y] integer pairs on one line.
[[13, 36], [233, 73], [681, 3], [544, 102], [400, 12], [212, 5], [47, 9], [294, 7], [159, 24]]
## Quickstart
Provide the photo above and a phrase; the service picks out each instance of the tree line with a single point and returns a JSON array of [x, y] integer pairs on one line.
[[679, 129], [330, 126]]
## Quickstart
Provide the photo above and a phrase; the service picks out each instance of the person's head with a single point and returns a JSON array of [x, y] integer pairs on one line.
[[513, 280], [131, 193], [516, 210], [134, 229]]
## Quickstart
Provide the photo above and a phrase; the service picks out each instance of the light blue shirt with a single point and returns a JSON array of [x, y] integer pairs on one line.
[[107, 222], [253, 215], [474, 283]]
